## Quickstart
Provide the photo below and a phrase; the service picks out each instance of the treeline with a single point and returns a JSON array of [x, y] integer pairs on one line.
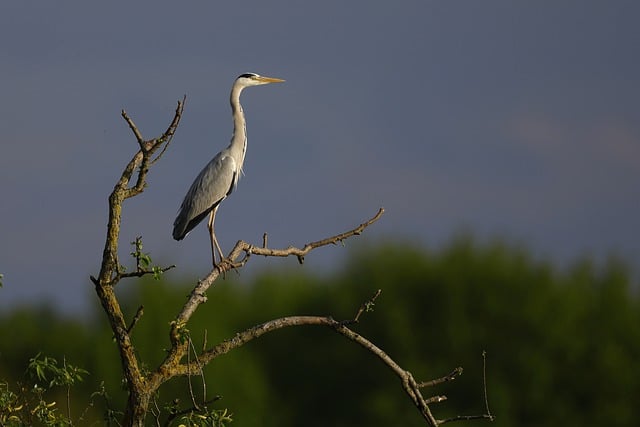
[[562, 346]]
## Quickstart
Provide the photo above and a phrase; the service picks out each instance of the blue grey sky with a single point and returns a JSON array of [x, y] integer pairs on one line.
[[511, 119]]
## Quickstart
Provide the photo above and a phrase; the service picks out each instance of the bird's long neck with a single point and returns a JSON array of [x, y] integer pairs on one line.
[[239, 139]]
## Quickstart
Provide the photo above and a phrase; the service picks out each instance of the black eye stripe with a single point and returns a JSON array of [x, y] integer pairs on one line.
[[248, 75]]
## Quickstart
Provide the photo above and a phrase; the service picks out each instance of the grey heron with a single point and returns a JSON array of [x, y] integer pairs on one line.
[[220, 176]]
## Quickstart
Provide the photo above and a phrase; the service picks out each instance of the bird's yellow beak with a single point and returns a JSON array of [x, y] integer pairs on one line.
[[269, 79]]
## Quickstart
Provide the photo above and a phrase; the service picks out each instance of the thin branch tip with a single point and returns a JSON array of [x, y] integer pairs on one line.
[[449, 377], [484, 384], [366, 306], [435, 399]]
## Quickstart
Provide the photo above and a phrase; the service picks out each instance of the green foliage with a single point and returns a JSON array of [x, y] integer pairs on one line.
[[205, 418], [10, 406], [143, 260], [31, 404], [45, 368], [562, 345]]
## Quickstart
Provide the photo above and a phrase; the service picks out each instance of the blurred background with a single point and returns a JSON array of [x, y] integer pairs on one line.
[[561, 347], [514, 125]]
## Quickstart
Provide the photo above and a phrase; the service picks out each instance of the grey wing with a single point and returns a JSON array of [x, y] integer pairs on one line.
[[211, 186]]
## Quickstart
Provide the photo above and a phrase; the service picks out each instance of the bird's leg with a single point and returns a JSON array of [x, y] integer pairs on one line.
[[214, 242], [218, 248]]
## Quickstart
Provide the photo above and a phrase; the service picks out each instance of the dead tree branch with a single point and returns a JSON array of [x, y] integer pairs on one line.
[[198, 295], [249, 249], [172, 366], [110, 271], [131, 183], [142, 388], [449, 377], [409, 385]]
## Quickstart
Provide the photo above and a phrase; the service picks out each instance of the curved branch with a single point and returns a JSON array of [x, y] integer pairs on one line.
[[409, 385]]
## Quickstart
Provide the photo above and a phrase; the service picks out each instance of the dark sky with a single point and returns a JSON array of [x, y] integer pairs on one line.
[[507, 119]]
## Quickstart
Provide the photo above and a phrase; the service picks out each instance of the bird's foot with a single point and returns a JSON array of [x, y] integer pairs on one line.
[[226, 265]]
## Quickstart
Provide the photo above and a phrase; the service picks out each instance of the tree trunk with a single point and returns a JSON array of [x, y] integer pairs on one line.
[[136, 411]]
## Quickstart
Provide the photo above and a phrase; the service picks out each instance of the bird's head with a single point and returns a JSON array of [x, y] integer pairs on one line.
[[252, 79]]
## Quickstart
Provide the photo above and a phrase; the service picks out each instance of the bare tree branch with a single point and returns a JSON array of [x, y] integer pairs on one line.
[[133, 128], [178, 334], [136, 319], [142, 160], [198, 296], [484, 384], [142, 387], [142, 272], [249, 249], [449, 377], [110, 269], [171, 130], [409, 385], [466, 418], [366, 306]]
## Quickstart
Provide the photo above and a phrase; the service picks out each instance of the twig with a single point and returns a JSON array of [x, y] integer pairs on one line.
[[191, 395], [449, 377], [486, 415], [133, 127], [204, 340], [142, 159], [484, 383], [366, 306], [466, 418], [135, 319], [64, 365], [176, 414], [141, 273], [156, 412], [204, 383], [435, 399], [171, 130]]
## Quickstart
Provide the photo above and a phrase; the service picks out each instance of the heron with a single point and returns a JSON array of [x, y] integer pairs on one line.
[[217, 180]]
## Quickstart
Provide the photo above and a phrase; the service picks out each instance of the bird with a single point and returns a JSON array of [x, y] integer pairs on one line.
[[219, 178]]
